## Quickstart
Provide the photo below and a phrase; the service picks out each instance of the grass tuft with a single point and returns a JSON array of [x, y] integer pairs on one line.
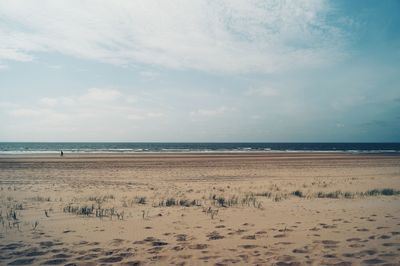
[[140, 200], [298, 193]]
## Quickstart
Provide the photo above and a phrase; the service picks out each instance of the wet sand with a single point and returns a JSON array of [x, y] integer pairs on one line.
[[200, 209]]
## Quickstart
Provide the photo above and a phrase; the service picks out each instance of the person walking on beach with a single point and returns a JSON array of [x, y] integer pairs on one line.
[[62, 154]]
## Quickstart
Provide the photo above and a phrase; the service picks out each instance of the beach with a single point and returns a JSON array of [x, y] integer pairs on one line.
[[244, 208]]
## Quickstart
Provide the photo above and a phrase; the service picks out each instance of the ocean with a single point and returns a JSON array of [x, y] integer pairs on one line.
[[141, 147]]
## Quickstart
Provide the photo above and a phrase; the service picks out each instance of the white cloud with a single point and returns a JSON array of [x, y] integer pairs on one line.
[[340, 125], [135, 116], [212, 112], [57, 67], [347, 102], [223, 36], [100, 95], [263, 91], [66, 101], [7, 53], [145, 115], [155, 114], [100, 108], [6, 105], [49, 101], [148, 74], [26, 112]]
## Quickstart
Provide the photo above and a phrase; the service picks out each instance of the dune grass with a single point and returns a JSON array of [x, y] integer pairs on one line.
[[213, 202], [140, 200], [170, 202], [338, 194], [94, 211], [248, 199], [383, 192]]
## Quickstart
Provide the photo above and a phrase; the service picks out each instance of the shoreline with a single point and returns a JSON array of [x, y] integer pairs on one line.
[[197, 153]]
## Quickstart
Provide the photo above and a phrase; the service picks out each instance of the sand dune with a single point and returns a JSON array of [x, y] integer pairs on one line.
[[200, 209]]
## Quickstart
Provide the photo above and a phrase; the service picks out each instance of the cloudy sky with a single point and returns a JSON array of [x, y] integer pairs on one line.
[[200, 70]]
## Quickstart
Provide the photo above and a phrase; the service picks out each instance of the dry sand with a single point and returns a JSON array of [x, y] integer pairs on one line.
[[200, 209]]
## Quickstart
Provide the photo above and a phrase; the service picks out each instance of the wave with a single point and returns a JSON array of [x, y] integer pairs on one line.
[[154, 147], [132, 151]]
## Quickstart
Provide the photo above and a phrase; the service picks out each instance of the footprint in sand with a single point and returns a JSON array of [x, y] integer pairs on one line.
[[341, 263], [285, 230], [388, 255], [244, 257], [181, 237], [286, 260], [96, 250], [391, 244], [356, 245], [22, 262], [154, 250], [12, 246], [178, 248], [382, 227], [303, 250], [249, 237], [248, 246], [198, 246], [373, 261], [55, 262], [328, 244], [360, 254], [227, 262], [88, 257], [126, 254], [354, 239], [35, 253], [61, 256], [214, 236], [158, 243], [117, 242], [207, 258], [132, 263], [269, 253], [113, 259], [284, 243], [368, 252], [328, 226], [157, 258]]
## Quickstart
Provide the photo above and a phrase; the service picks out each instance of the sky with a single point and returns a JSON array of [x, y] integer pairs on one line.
[[200, 71]]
